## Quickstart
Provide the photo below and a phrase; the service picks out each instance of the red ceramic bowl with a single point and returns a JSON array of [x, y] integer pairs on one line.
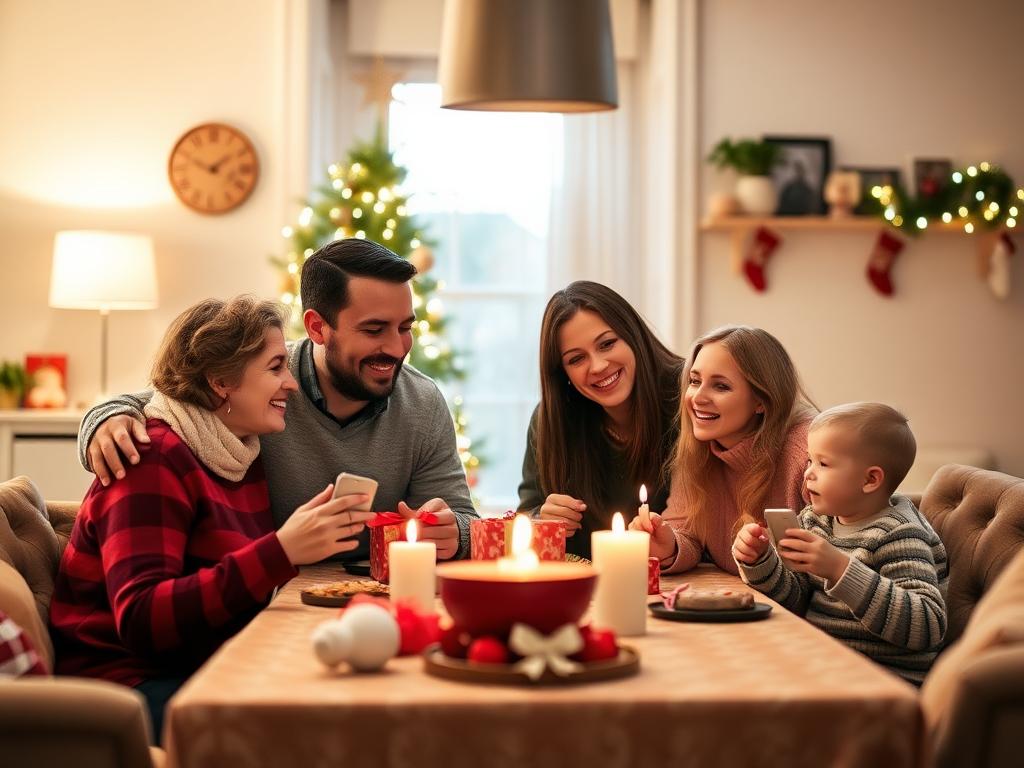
[[485, 601]]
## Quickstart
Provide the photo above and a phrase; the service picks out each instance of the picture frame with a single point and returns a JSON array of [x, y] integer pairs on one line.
[[48, 376], [804, 165], [932, 177], [870, 178]]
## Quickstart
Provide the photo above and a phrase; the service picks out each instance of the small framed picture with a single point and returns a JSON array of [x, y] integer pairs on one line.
[[931, 177], [48, 381], [869, 179], [800, 174]]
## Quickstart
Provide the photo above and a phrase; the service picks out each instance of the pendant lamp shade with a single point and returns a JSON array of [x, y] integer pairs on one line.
[[528, 56]]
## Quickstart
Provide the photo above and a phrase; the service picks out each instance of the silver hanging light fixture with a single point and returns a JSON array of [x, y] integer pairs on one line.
[[528, 56]]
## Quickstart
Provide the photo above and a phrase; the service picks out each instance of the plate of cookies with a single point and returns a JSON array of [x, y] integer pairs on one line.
[[337, 593], [689, 603]]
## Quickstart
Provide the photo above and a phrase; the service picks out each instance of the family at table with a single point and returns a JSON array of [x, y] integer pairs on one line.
[[216, 485]]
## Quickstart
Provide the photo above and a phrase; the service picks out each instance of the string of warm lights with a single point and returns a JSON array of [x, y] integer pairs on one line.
[[976, 197]]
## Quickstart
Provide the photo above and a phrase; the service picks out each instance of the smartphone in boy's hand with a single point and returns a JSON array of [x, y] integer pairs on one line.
[[778, 520]]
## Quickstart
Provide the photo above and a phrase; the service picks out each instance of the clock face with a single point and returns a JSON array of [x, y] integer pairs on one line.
[[213, 168]]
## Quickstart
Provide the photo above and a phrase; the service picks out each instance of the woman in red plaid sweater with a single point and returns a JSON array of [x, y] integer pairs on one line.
[[181, 552]]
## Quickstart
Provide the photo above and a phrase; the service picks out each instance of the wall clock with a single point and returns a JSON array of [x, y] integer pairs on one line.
[[213, 168]]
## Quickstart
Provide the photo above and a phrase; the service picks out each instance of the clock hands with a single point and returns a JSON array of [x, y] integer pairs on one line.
[[204, 166], [216, 166]]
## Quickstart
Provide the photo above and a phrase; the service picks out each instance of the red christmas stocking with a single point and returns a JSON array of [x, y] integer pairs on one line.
[[765, 243], [886, 249]]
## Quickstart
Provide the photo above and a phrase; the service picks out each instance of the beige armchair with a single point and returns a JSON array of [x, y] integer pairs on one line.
[[973, 697], [45, 720]]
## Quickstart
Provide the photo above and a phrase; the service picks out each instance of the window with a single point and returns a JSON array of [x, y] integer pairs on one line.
[[480, 183]]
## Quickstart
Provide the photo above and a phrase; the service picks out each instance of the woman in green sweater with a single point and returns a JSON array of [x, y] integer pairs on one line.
[[607, 419]]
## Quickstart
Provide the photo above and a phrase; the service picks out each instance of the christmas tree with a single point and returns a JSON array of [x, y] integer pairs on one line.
[[362, 198]]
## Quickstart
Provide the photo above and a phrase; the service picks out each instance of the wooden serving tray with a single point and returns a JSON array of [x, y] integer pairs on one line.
[[310, 597], [437, 664]]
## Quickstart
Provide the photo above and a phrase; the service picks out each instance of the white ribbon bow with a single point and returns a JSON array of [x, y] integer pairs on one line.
[[548, 652]]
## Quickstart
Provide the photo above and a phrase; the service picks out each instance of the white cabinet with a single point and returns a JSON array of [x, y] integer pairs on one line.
[[43, 445]]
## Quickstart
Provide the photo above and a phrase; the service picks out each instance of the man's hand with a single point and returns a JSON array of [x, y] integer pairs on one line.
[[323, 527], [563, 509], [809, 553], [663, 540], [750, 544], [112, 442], [444, 533]]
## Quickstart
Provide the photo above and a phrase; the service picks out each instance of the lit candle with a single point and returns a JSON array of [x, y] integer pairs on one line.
[[411, 568], [645, 511], [620, 559], [523, 558]]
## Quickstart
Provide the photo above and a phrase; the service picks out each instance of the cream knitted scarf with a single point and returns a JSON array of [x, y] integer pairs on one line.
[[207, 436]]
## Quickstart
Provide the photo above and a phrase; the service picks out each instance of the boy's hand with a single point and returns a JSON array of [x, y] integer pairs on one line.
[[750, 544], [807, 552]]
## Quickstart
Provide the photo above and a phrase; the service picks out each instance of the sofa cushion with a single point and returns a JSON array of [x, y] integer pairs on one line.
[[979, 515], [27, 540], [972, 696]]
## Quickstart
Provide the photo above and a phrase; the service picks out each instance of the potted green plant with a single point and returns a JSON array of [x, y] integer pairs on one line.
[[753, 161], [13, 382]]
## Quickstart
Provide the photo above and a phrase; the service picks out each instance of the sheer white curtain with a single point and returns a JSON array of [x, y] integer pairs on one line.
[[620, 215]]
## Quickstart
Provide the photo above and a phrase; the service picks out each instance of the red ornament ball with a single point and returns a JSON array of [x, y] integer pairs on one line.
[[455, 642], [488, 650], [598, 645]]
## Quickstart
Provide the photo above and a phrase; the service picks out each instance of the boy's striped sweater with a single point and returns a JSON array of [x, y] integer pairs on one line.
[[889, 604]]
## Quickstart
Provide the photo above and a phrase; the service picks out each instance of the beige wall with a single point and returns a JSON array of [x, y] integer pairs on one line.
[[888, 82], [94, 96]]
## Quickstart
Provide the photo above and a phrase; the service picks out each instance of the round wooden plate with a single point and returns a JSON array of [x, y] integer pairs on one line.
[[309, 597], [758, 612], [437, 664]]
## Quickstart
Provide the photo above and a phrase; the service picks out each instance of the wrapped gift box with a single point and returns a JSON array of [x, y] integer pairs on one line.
[[653, 576], [492, 538], [380, 537]]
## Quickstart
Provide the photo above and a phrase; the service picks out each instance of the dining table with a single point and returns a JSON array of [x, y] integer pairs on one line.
[[775, 692]]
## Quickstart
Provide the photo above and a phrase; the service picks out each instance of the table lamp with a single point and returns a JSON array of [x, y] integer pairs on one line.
[[103, 271]]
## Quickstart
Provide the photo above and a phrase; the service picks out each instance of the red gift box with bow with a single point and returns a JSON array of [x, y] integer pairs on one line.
[[491, 538], [385, 528]]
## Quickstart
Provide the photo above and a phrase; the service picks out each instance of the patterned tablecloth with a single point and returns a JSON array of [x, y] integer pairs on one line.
[[768, 693]]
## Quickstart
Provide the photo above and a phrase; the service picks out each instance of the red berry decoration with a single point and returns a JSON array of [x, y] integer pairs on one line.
[[455, 642], [488, 650], [598, 645]]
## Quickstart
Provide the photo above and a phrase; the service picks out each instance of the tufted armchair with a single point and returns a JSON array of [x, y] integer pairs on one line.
[[56, 721], [973, 698]]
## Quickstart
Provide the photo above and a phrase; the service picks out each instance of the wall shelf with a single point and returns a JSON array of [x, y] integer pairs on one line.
[[741, 228]]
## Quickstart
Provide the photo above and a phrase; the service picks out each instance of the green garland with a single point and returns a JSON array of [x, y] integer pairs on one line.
[[976, 198]]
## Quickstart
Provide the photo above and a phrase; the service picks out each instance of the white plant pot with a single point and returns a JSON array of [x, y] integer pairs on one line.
[[757, 195]]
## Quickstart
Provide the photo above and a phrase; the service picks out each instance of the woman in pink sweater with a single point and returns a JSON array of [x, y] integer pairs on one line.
[[742, 447]]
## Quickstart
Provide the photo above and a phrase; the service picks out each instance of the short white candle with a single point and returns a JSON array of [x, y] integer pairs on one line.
[[620, 559], [523, 559], [644, 511], [411, 570]]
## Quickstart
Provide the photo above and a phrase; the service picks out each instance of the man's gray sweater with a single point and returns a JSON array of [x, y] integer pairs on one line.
[[408, 447]]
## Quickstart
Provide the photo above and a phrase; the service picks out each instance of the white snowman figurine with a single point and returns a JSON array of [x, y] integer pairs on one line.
[[365, 636]]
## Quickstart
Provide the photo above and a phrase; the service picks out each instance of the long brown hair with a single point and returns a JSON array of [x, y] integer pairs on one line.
[[769, 370], [569, 422]]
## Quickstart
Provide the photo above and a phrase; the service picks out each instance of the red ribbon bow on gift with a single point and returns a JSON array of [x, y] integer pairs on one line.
[[391, 518]]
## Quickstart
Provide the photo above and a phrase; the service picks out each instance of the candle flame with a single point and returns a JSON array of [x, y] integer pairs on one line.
[[643, 494], [618, 524], [410, 531], [522, 535]]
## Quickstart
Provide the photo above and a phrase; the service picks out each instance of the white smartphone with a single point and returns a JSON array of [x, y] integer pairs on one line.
[[348, 483], [778, 521]]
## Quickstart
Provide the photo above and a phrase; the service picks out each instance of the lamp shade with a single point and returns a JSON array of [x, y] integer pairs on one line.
[[103, 270], [528, 56]]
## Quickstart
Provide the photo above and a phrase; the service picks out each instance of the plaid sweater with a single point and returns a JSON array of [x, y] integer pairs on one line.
[[889, 604], [163, 566]]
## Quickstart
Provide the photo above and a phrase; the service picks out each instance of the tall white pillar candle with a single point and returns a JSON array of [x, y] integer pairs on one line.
[[620, 559], [411, 570]]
